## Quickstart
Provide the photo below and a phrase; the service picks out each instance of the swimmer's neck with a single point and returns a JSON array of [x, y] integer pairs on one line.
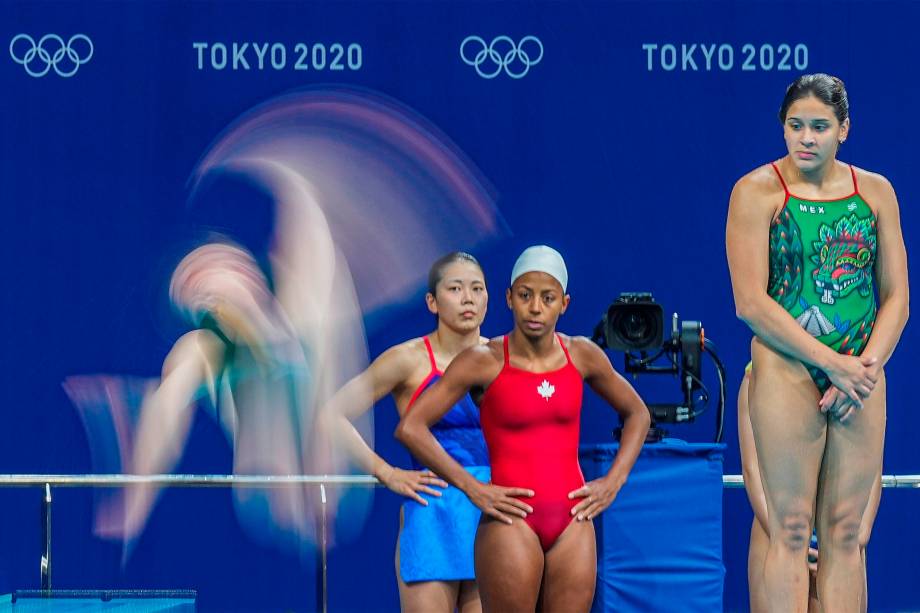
[[818, 177], [449, 343], [530, 347]]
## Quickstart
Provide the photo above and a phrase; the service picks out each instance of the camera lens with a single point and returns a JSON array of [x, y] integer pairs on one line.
[[635, 327]]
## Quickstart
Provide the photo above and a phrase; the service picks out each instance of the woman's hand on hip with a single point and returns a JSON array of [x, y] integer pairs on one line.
[[501, 502], [409, 483], [596, 496]]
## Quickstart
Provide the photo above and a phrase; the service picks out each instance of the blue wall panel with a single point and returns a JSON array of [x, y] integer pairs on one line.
[[619, 147]]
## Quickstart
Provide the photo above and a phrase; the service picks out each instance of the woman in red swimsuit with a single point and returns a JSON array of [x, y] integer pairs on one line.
[[529, 388]]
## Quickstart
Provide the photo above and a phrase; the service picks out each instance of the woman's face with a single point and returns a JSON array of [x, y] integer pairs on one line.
[[812, 133], [461, 299], [536, 299]]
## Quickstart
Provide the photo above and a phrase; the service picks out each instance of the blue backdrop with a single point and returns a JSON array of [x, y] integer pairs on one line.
[[619, 147]]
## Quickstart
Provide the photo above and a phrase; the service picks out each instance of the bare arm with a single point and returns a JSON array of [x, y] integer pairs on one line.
[[357, 397], [597, 371], [387, 373], [475, 367], [750, 214]]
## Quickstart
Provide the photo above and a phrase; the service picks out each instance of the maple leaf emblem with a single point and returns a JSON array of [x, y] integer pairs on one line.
[[546, 390]]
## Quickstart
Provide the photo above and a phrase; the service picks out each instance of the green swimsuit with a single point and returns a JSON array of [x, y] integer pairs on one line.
[[822, 261]]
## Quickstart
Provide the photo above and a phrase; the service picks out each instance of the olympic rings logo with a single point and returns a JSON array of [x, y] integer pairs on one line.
[[502, 53], [51, 52]]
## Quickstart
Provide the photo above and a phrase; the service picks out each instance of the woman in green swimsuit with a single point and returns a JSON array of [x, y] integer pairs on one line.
[[819, 273]]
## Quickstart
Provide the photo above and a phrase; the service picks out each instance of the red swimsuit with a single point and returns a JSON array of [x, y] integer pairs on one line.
[[531, 424]]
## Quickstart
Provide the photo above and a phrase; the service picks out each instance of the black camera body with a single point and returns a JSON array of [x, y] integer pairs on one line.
[[634, 324]]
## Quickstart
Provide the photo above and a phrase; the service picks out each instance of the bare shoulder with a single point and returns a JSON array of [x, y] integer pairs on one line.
[[761, 184], [870, 180], [403, 359], [876, 189], [489, 353], [585, 353], [479, 362], [580, 345]]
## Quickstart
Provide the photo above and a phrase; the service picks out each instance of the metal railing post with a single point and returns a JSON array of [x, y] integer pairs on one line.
[[46, 539]]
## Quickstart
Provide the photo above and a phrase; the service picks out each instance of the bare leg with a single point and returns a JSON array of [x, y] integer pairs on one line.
[[570, 570], [865, 581], [166, 418], [468, 601], [814, 605], [865, 532], [852, 463], [757, 555], [760, 539], [509, 566], [789, 433]]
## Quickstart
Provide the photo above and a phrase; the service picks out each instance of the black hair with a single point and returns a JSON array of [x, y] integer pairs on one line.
[[436, 273], [826, 88]]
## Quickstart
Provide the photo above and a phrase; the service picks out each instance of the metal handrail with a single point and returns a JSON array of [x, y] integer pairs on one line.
[[255, 481], [171, 480]]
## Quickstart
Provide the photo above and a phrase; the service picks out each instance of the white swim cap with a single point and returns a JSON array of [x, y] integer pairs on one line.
[[541, 258]]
